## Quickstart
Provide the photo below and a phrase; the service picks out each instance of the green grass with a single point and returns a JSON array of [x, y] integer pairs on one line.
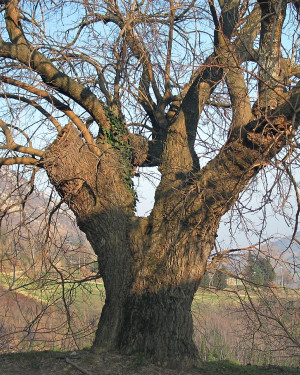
[[48, 289], [230, 368], [213, 298]]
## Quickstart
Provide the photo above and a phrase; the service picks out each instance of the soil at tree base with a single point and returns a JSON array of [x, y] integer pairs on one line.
[[84, 362]]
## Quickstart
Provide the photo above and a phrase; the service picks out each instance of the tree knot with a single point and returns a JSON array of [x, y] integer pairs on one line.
[[274, 132]]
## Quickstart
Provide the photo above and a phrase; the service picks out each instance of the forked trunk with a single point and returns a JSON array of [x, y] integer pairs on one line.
[[150, 292], [151, 267], [148, 309]]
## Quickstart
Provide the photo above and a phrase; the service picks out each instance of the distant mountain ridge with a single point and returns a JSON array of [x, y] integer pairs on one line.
[[286, 246], [38, 204]]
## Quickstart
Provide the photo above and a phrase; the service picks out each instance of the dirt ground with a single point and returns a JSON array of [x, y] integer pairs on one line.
[[86, 363], [78, 363]]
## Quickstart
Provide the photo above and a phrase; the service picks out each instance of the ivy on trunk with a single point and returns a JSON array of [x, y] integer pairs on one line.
[[124, 81]]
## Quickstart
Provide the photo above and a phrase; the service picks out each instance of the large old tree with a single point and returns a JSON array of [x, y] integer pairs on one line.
[[92, 90]]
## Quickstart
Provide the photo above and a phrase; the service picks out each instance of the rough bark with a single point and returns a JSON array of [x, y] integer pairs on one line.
[[151, 267]]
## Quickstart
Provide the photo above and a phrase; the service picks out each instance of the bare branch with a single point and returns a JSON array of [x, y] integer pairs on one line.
[[58, 104], [13, 146], [20, 50], [35, 105], [21, 160]]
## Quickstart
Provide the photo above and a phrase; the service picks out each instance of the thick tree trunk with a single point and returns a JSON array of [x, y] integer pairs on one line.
[[160, 326], [151, 306], [151, 267], [150, 285], [108, 236]]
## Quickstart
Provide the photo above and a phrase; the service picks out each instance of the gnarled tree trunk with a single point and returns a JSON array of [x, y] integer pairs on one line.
[[151, 267]]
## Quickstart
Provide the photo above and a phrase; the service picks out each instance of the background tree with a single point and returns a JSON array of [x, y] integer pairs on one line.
[[219, 279], [259, 270], [93, 90], [205, 281]]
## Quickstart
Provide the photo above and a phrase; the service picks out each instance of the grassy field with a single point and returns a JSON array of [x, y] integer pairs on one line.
[[45, 288], [48, 289], [68, 315]]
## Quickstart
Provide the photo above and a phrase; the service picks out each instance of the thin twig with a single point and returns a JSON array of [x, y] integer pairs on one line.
[[84, 371]]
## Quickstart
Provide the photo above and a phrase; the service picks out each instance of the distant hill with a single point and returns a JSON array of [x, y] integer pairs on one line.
[[14, 188], [289, 249], [24, 223], [288, 269]]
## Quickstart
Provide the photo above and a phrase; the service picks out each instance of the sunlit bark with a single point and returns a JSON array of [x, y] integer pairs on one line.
[[151, 267]]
